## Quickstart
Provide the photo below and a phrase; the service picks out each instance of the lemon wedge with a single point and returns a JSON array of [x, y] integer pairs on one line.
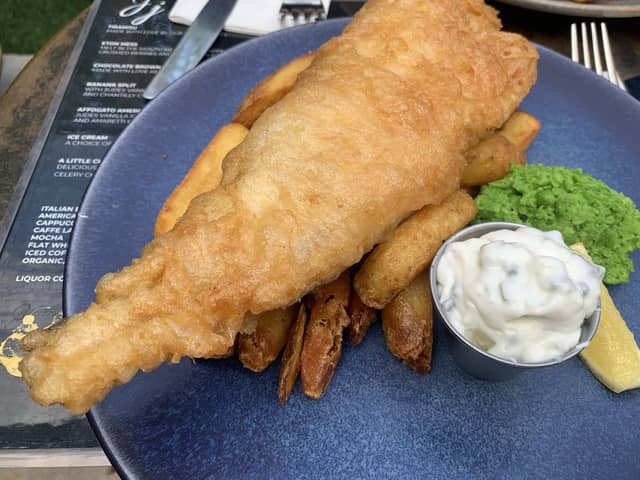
[[613, 355]]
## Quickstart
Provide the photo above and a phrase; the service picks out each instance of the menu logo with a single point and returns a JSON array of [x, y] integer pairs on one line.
[[142, 11]]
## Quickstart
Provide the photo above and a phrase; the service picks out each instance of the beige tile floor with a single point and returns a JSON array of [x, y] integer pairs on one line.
[[74, 473], [58, 464]]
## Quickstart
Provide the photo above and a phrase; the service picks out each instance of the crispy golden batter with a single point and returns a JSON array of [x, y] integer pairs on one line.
[[373, 130]]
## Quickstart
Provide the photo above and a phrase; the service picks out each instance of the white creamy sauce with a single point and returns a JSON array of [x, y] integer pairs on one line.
[[518, 294]]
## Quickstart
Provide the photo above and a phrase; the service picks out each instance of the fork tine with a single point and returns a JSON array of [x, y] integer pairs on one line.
[[621, 83], [608, 56], [611, 72], [575, 51], [302, 10], [596, 49], [586, 56]]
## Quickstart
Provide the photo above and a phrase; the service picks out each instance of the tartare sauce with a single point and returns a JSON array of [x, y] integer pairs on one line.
[[518, 294]]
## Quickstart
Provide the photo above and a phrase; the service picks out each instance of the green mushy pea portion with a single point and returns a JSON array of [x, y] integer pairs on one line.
[[581, 207]]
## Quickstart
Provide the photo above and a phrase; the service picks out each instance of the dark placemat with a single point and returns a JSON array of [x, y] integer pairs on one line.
[[121, 47]]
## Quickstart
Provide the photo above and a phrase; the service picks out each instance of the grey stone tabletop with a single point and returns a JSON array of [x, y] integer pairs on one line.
[[24, 105]]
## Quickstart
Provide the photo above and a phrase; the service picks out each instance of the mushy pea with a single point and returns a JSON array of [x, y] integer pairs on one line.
[[581, 207]]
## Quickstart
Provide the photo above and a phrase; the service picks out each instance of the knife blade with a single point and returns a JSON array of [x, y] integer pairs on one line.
[[192, 47]]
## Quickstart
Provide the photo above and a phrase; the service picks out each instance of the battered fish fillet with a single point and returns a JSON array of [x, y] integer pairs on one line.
[[373, 130]]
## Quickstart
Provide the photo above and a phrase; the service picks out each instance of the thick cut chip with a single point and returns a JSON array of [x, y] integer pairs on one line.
[[203, 176], [407, 323], [290, 363], [323, 336], [395, 263], [258, 349], [270, 90]]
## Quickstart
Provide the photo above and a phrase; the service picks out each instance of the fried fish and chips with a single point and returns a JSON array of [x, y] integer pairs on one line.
[[407, 323], [258, 349], [396, 262], [488, 161], [389, 106], [520, 128], [261, 337], [290, 361]]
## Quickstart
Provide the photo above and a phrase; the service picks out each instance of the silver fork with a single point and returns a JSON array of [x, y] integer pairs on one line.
[[302, 11], [611, 73]]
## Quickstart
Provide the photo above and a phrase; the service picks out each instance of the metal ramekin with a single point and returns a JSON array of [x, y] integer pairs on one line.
[[473, 359]]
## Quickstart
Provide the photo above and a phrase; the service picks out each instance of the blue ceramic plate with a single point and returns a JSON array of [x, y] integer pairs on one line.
[[213, 419]]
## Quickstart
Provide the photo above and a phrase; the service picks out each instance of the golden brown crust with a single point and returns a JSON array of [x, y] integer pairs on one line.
[[322, 347], [203, 176], [339, 289], [490, 160], [520, 129]]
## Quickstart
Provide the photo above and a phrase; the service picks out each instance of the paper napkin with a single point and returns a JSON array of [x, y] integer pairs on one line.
[[250, 17]]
